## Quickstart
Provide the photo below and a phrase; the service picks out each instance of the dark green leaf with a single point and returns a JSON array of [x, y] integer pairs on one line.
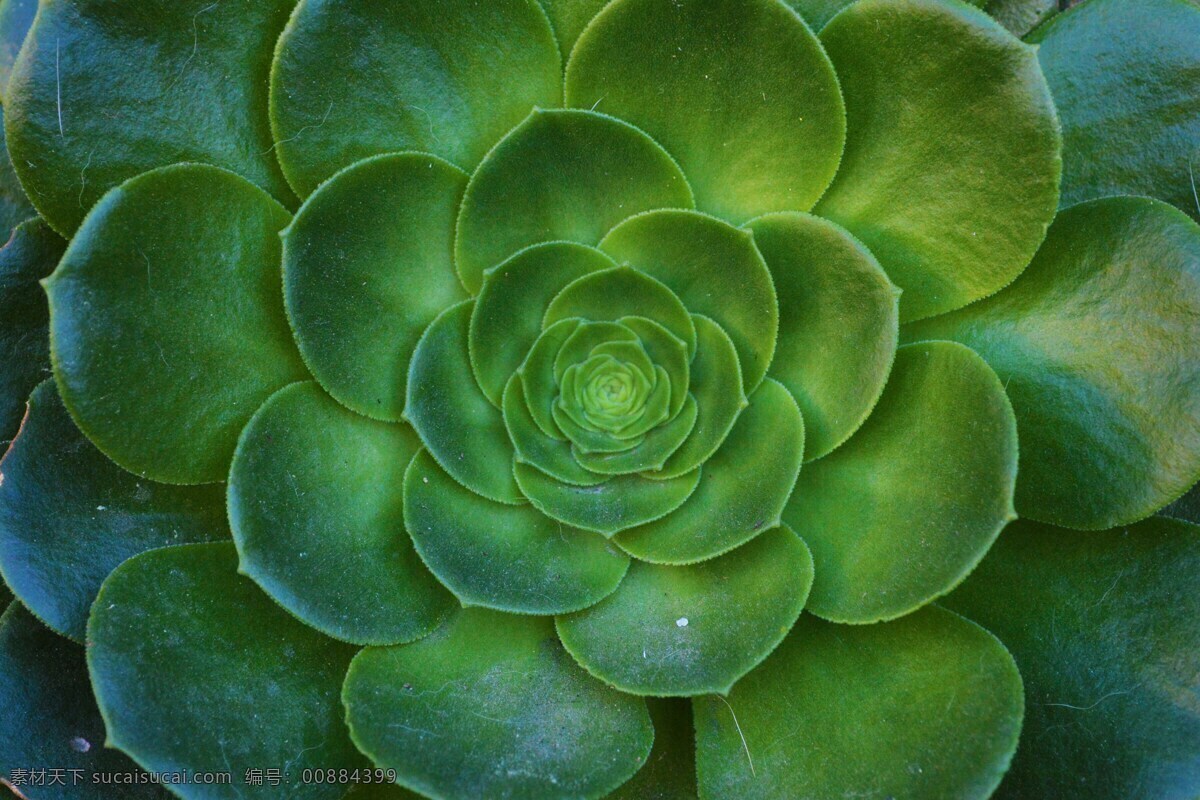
[[510, 558], [689, 630], [69, 516], [195, 668], [1126, 80], [30, 255], [569, 175], [368, 263], [670, 772], [904, 510], [1105, 628], [743, 487], [357, 78], [16, 18], [739, 91], [100, 92], [50, 720], [463, 431]]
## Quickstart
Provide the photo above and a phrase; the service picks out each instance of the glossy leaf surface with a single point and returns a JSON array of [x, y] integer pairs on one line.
[[1095, 344], [182, 679], [69, 516], [1105, 628], [84, 113]]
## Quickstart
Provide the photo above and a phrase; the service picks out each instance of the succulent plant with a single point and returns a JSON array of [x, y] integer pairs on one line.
[[577, 399]]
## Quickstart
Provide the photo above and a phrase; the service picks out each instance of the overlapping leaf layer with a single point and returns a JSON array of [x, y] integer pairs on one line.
[[580, 399]]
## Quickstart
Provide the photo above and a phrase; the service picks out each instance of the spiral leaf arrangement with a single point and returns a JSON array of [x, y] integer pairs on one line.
[[586, 399]]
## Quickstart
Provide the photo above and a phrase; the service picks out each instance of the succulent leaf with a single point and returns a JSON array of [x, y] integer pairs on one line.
[[847, 709], [182, 679], [742, 94], [316, 503], [1096, 343], [540, 727], [69, 516], [953, 151], [509, 558], [85, 113], [50, 716], [354, 78], [1122, 132], [690, 630], [367, 264], [29, 256], [1105, 628], [167, 323], [902, 512], [837, 325], [561, 175]]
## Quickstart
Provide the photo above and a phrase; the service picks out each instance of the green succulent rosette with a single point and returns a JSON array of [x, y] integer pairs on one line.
[[578, 399]]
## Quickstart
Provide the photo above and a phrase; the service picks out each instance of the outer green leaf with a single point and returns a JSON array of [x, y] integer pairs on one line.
[[464, 432], [952, 158], [1126, 80], [926, 706], [716, 383], [1096, 346], [99, 93], [1021, 16], [620, 503], [1105, 628], [512, 302], [715, 269], [194, 667], [570, 17], [30, 255], [50, 720], [838, 316], [14, 205], [743, 489], [739, 91], [511, 558], [16, 18], [492, 706], [167, 324], [317, 509], [69, 516], [356, 78], [694, 629], [623, 292], [561, 175], [670, 772], [367, 264], [534, 447], [903, 511]]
